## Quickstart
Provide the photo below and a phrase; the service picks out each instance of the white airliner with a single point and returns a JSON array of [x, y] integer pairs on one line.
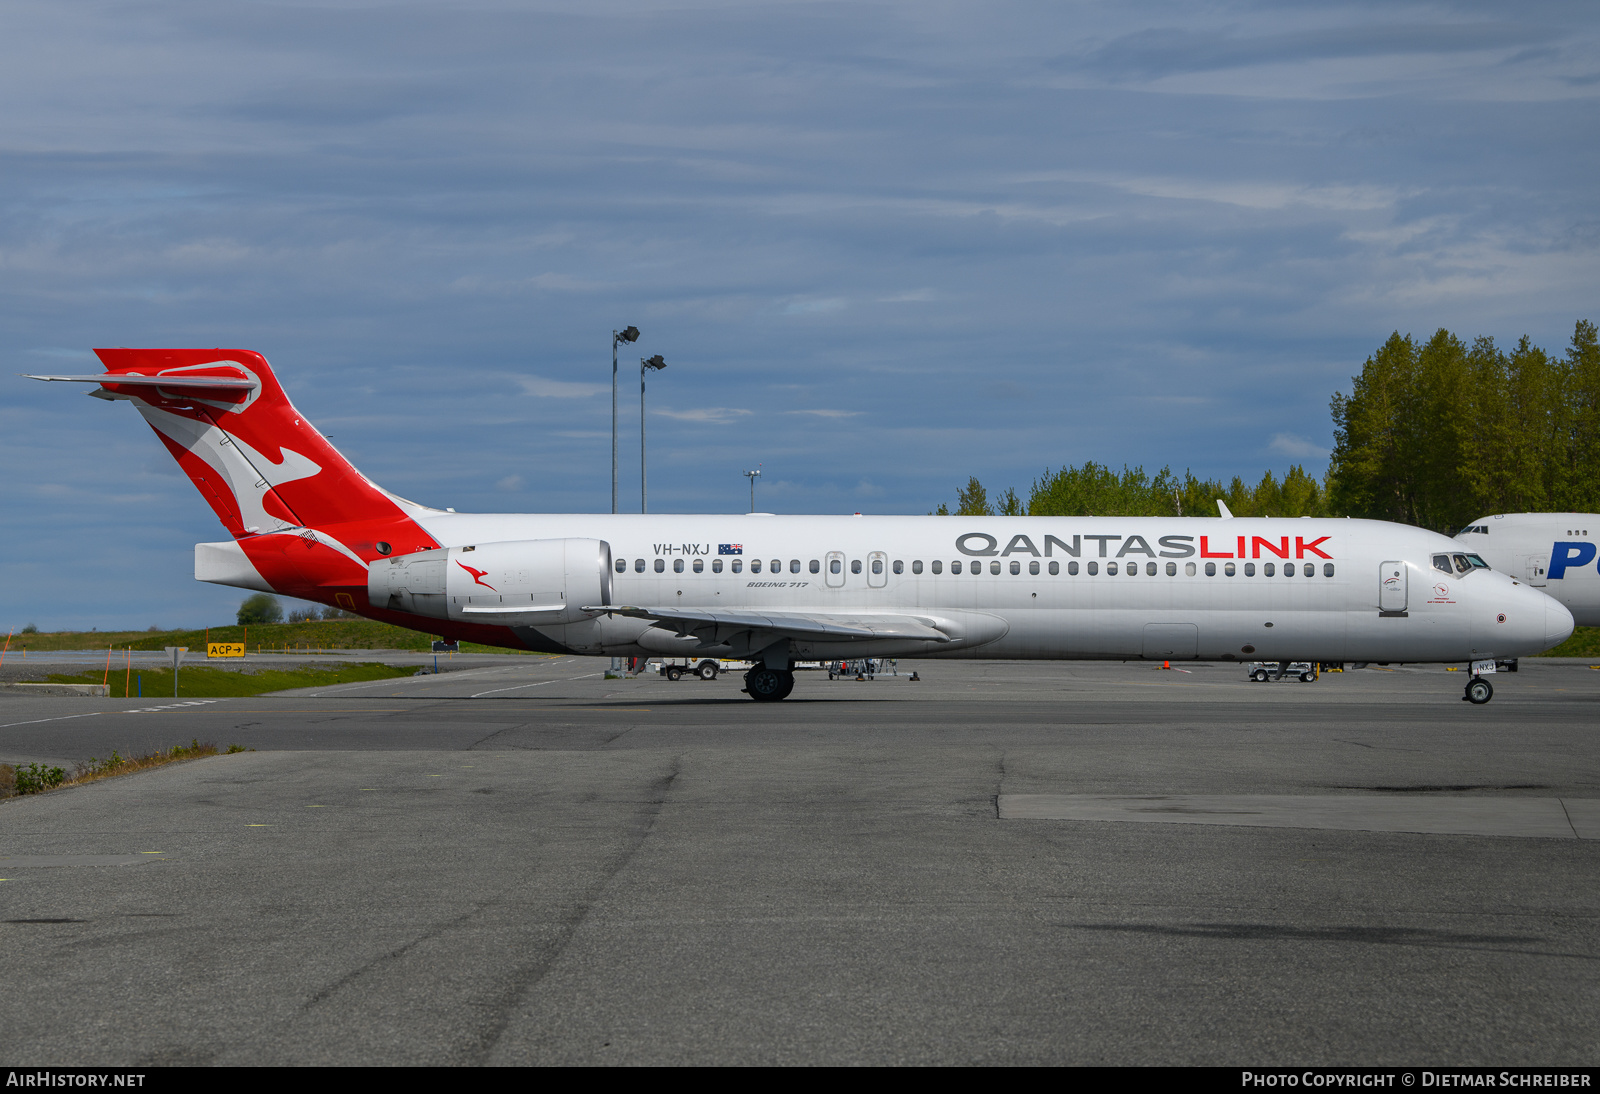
[[775, 590], [1553, 552]]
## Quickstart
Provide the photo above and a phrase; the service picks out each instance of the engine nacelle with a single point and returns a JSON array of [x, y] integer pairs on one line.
[[526, 582]]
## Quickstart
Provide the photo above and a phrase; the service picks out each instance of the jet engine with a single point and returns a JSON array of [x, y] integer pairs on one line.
[[527, 582]]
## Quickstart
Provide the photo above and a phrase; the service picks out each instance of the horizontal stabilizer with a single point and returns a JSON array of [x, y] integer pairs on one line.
[[233, 383]]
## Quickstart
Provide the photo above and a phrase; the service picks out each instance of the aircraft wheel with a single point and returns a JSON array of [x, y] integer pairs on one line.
[[708, 671], [1479, 691], [766, 685], [674, 673]]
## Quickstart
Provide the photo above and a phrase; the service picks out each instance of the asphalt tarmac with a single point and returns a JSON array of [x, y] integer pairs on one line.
[[522, 862]]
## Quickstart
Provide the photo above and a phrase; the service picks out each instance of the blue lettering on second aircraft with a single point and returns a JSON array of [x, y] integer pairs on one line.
[[1566, 556]]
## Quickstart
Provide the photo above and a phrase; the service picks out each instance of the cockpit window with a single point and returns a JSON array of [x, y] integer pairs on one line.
[[1478, 563], [1442, 562], [1462, 565]]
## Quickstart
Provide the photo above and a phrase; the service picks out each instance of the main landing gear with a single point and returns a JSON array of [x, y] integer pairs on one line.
[[1479, 691], [766, 685]]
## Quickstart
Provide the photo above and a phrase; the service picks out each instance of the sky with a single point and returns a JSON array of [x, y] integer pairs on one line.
[[882, 247]]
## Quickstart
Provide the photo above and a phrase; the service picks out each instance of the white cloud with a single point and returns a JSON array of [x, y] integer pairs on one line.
[[558, 389], [714, 415], [813, 305], [1296, 447], [510, 484]]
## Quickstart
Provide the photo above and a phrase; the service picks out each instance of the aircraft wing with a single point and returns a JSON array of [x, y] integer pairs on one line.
[[853, 626]]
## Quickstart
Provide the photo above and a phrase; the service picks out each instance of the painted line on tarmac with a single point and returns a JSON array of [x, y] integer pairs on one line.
[[539, 684], [395, 681], [138, 710]]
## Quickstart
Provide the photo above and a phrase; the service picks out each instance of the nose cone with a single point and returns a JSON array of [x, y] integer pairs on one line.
[[1557, 623]]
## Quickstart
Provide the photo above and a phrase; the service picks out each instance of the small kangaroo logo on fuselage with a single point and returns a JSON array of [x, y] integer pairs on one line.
[[477, 575]]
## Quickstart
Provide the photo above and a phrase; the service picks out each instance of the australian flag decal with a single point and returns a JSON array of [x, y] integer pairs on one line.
[[730, 548]]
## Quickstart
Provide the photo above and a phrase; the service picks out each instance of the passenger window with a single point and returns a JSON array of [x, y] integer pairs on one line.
[[661, 565], [1111, 568], [955, 567], [816, 567], [1266, 570], [835, 566], [994, 568], [1172, 569], [677, 565], [1327, 569], [1149, 569], [716, 565], [1094, 568], [855, 565], [1441, 562], [738, 565], [916, 567], [622, 565], [1227, 569], [1033, 567], [937, 565], [1016, 567], [638, 565], [1250, 569], [699, 566], [1188, 569], [755, 565], [877, 565], [899, 567], [1211, 569], [777, 566]]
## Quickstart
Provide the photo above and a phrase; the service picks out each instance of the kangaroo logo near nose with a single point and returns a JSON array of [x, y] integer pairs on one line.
[[477, 575]]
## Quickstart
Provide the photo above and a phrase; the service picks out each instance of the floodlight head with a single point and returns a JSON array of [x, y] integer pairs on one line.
[[631, 334], [652, 362]]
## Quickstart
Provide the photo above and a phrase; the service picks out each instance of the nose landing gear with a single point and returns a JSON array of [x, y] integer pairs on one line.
[[1479, 691]]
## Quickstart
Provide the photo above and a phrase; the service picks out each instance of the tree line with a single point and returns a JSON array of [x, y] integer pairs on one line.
[[1433, 433]]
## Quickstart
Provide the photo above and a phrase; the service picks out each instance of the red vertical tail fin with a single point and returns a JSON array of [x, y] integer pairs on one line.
[[268, 473]]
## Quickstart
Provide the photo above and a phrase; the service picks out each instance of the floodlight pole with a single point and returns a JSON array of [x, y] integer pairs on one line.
[[645, 363], [627, 334], [752, 476]]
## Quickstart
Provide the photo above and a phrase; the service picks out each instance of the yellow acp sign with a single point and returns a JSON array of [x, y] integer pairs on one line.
[[225, 649]]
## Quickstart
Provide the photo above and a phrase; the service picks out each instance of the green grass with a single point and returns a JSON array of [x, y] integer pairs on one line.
[[1585, 642], [35, 778], [330, 634], [207, 683]]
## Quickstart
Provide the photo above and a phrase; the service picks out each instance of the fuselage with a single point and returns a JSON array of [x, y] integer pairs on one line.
[[1052, 588], [1554, 552], [306, 523]]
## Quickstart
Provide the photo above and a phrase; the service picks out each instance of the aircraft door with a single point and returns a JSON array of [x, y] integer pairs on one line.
[[1392, 587], [877, 570], [1534, 566], [834, 570]]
